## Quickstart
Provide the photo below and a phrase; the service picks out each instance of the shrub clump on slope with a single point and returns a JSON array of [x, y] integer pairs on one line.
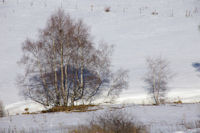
[[110, 122]]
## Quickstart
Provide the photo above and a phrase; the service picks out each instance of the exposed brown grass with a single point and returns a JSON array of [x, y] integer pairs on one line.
[[78, 108], [98, 129], [178, 102]]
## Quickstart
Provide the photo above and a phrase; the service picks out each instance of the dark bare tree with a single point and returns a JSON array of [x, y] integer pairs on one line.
[[157, 78], [63, 66]]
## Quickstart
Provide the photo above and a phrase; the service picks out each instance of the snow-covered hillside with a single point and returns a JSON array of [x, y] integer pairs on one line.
[[136, 33], [130, 26], [19, 107], [182, 118]]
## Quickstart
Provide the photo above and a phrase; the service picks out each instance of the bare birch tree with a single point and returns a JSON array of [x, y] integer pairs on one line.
[[157, 78]]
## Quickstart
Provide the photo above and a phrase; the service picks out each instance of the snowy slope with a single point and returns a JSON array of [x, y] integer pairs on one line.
[[19, 107], [135, 35], [158, 119]]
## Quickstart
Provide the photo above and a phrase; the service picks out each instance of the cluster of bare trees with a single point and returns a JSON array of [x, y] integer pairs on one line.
[[63, 66]]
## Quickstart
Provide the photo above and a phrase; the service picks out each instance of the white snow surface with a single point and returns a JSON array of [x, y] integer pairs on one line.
[[158, 119], [136, 35], [19, 107]]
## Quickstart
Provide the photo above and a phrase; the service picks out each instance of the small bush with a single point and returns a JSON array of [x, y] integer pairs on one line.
[[178, 102], [111, 122], [26, 109], [107, 9], [154, 13], [26, 113]]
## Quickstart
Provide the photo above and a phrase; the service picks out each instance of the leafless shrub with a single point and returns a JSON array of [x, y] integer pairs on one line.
[[191, 125], [107, 9], [154, 13], [111, 122]]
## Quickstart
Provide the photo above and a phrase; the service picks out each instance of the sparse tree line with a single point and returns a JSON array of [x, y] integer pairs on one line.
[[63, 65]]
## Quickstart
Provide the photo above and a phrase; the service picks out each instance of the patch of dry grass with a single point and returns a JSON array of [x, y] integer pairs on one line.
[[110, 122], [78, 108]]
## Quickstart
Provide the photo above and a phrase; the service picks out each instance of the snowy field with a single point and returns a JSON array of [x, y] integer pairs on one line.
[[136, 34], [182, 118], [130, 26]]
